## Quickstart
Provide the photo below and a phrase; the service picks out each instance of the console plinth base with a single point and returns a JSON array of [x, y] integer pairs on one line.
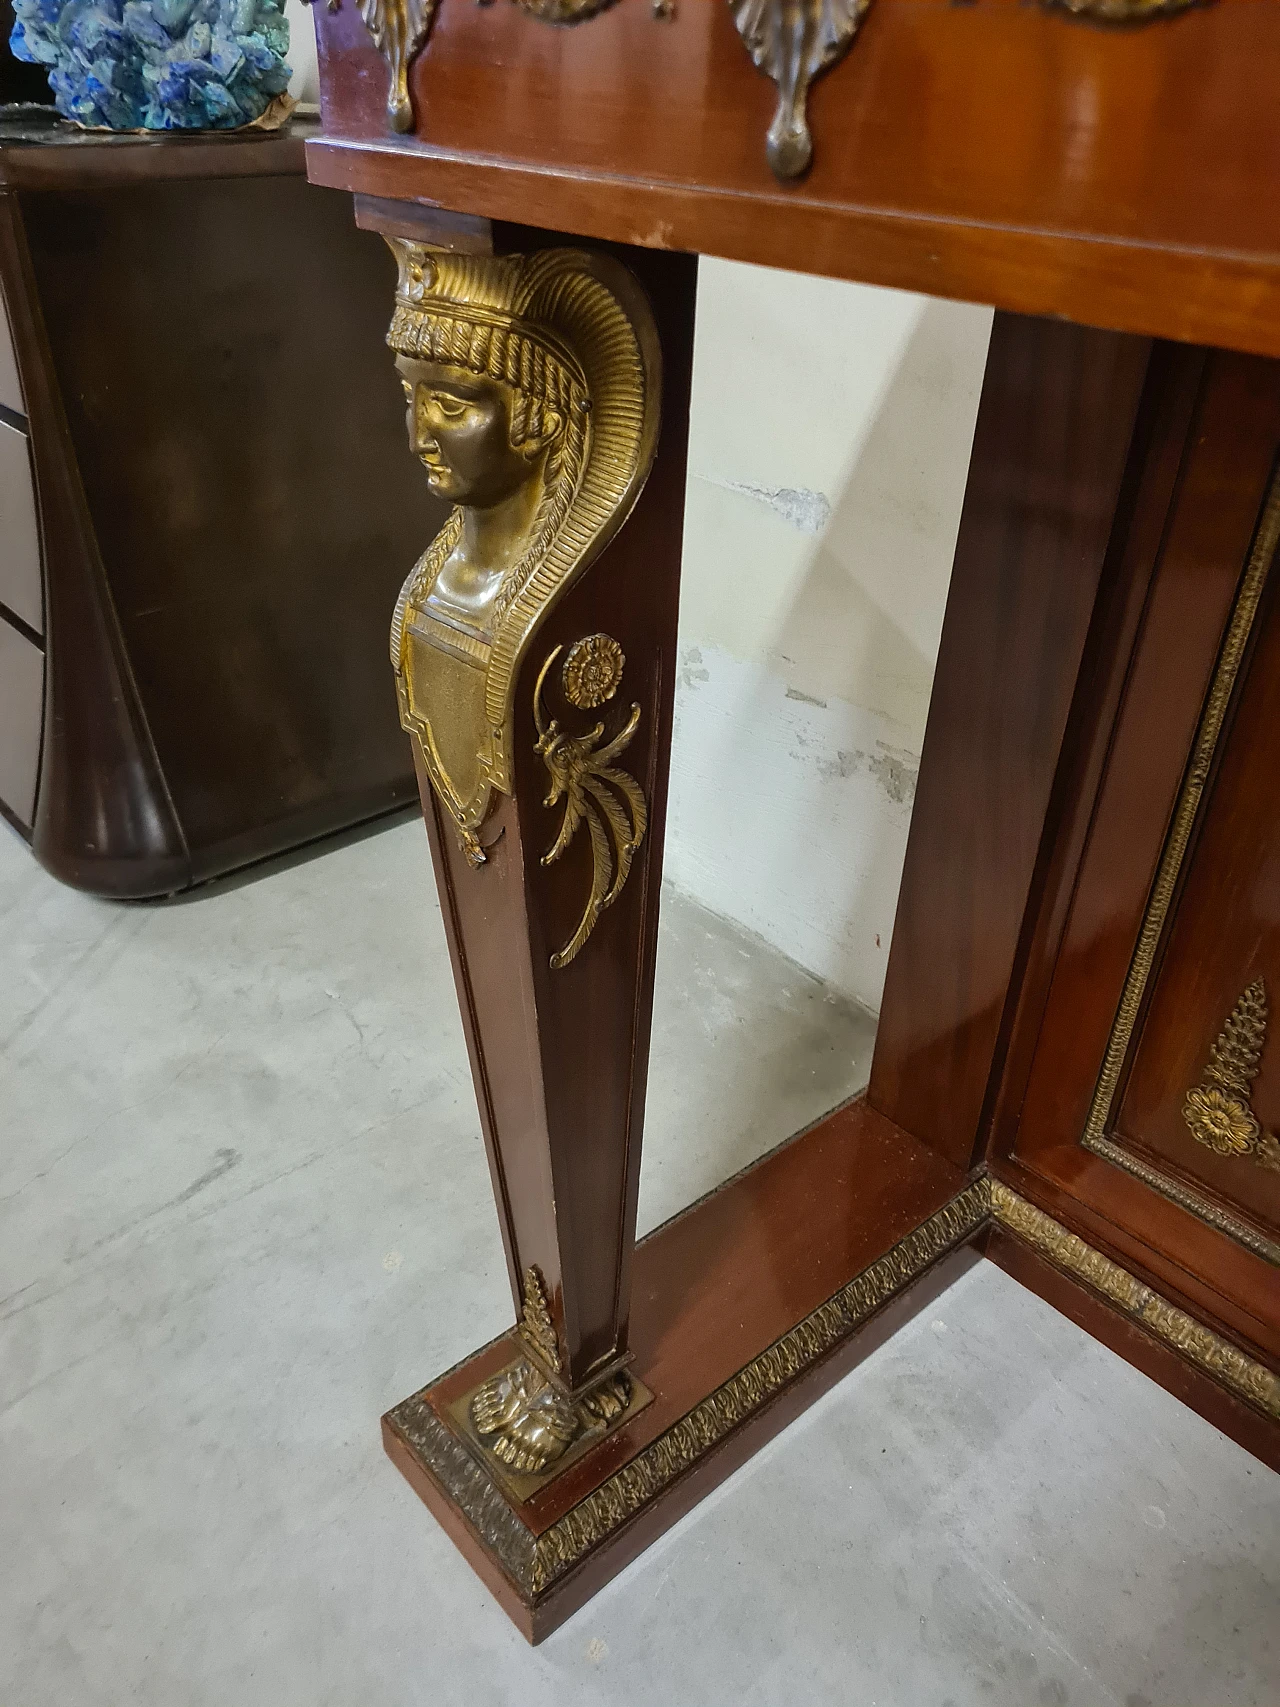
[[746, 1308]]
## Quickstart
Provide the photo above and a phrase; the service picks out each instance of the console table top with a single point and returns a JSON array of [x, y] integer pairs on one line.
[[995, 151]]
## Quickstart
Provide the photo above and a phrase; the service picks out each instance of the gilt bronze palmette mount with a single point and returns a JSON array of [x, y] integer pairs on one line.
[[532, 385], [1218, 1111], [792, 42], [399, 30], [1126, 11]]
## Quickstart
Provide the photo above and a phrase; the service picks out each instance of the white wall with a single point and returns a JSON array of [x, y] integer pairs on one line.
[[832, 425]]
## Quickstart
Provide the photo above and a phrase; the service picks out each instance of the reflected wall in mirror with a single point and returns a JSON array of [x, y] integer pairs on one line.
[[817, 560]]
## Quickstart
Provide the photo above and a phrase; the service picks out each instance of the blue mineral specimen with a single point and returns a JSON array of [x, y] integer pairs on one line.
[[157, 64]]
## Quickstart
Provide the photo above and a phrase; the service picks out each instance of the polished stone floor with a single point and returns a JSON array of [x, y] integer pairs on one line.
[[244, 1208]]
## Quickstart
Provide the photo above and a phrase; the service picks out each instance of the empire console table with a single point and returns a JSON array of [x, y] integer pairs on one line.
[[1073, 1074]]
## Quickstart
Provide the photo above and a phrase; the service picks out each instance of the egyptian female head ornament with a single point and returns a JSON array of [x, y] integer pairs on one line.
[[533, 386]]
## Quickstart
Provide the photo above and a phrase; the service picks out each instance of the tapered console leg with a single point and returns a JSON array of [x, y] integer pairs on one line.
[[534, 650]]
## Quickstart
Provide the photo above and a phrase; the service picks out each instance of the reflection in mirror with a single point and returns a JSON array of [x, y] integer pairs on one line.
[[829, 447]]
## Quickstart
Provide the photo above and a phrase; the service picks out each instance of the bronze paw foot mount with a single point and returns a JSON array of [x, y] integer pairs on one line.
[[529, 1429]]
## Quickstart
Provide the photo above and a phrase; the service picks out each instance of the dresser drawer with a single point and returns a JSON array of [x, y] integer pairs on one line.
[[21, 713], [10, 389], [19, 534]]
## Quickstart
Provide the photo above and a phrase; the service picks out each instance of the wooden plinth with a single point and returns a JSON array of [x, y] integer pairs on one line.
[[746, 1308], [751, 1305]]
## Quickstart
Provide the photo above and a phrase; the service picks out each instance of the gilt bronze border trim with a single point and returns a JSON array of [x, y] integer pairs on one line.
[[535, 1564], [1216, 1356], [625, 1494], [1097, 1138]]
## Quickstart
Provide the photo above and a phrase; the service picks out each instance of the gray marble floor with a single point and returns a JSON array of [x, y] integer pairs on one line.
[[244, 1208]]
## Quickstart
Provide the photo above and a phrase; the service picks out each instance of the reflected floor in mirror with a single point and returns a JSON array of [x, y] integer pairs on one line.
[[244, 1208], [748, 1048]]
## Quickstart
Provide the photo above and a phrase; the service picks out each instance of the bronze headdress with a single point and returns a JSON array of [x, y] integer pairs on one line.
[[572, 336]]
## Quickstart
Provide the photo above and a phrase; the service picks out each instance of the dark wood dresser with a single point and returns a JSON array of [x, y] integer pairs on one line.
[[203, 507]]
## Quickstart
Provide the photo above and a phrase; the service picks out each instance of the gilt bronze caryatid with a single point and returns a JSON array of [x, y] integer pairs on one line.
[[532, 386]]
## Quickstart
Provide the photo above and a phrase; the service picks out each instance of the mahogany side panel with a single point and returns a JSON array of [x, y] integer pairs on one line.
[[995, 151], [1059, 406], [1170, 400], [1230, 451]]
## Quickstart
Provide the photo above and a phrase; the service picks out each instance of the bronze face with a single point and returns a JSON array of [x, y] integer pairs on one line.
[[460, 429]]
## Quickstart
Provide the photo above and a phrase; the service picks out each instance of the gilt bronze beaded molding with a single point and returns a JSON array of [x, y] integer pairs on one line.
[[792, 41], [1098, 1136], [593, 789], [537, 1563]]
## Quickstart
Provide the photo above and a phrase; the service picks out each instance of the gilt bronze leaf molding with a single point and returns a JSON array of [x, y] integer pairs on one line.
[[538, 1562], [1212, 1353], [536, 1327], [533, 386], [595, 791], [1218, 1111], [792, 42]]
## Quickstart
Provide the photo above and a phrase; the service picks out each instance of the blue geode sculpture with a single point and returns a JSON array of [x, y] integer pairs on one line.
[[157, 64]]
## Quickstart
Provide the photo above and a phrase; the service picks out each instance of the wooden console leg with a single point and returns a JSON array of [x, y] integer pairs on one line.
[[534, 648]]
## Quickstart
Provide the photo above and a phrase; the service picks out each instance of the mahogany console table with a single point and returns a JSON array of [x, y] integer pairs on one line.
[[1072, 1073]]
